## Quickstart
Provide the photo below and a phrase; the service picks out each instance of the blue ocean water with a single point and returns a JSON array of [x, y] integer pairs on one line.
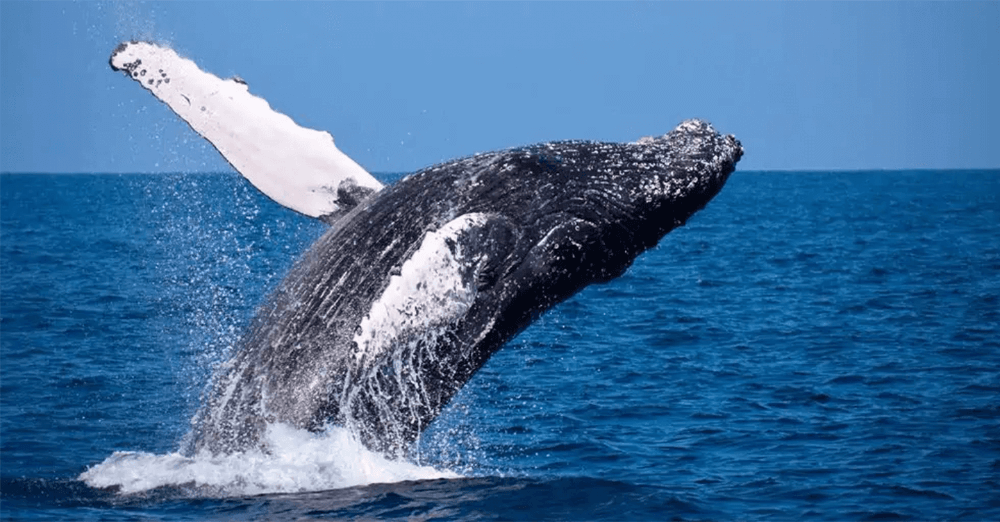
[[810, 346]]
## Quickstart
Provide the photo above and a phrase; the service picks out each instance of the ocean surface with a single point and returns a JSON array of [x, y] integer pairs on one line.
[[811, 346]]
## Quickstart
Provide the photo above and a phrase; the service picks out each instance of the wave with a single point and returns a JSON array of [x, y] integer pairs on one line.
[[291, 460]]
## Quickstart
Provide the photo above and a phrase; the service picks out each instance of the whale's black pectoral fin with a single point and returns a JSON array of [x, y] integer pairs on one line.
[[561, 255], [550, 269], [297, 167], [494, 240], [482, 248]]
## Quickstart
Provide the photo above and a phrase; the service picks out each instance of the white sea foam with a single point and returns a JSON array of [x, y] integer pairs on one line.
[[292, 461]]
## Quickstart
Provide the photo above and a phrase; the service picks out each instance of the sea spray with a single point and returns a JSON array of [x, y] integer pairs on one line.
[[290, 461]]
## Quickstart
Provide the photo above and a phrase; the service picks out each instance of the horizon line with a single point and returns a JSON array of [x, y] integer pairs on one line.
[[393, 173]]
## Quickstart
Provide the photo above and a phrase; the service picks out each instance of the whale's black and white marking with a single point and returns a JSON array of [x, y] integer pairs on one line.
[[416, 285]]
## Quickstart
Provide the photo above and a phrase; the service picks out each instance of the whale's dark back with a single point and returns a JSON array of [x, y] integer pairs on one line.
[[546, 221]]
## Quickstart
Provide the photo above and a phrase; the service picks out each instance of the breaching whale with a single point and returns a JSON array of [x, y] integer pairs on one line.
[[416, 285]]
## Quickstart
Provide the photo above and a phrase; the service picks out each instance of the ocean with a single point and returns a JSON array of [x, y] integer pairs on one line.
[[812, 345]]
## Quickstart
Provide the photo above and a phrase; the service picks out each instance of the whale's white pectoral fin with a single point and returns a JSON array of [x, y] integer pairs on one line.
[[297, 167]]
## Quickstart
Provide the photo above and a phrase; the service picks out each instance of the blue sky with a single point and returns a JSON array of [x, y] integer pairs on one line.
[[805, 86]]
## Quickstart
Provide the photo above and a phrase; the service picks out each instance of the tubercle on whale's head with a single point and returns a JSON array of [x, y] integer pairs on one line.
[[694, 134]]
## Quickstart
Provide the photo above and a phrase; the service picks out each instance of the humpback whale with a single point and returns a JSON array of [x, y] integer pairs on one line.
[[415, 285]]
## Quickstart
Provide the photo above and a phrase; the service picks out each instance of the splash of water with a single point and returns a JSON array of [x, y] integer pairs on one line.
[[289, 461]]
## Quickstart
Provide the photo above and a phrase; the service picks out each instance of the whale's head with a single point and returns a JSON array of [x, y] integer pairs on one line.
[[586, 210]]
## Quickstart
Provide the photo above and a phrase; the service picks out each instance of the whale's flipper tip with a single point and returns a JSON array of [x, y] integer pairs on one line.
[[118, 50]]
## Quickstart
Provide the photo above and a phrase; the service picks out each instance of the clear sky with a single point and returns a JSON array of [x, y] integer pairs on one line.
[[805, 86]]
